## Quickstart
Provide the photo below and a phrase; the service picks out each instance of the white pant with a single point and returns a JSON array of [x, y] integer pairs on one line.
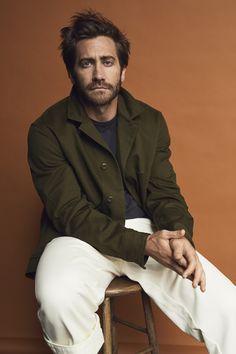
[[70, 283]]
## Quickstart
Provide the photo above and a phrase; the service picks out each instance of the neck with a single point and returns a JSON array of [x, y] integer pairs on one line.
[[102, 113]]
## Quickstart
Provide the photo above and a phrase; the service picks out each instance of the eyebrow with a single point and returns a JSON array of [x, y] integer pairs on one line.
[[104, 57]]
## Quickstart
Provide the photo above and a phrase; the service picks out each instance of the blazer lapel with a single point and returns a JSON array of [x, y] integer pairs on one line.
[[77, 113], [89, 129], [127, 130], [128, 109]]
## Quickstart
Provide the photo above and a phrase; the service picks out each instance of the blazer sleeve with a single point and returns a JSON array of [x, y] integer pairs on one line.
[[68, 208], [164, 200]]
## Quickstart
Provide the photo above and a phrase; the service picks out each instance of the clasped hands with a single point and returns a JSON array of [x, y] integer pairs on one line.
[[173, 250]]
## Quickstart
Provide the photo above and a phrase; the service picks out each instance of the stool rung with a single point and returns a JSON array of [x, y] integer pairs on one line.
[[144, 351], [129, 324]]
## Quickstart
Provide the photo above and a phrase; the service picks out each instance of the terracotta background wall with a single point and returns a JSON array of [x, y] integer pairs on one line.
[[183, 63]]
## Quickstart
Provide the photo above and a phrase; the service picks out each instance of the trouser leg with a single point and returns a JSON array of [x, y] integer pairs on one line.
[[70, 283], [209, 317]]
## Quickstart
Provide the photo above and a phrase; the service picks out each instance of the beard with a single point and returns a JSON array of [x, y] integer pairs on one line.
[[97, 98]]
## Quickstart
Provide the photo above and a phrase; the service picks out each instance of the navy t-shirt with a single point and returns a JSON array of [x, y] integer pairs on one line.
[[108, 131]]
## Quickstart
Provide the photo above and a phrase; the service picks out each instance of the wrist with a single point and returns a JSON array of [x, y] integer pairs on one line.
[[147, 245]]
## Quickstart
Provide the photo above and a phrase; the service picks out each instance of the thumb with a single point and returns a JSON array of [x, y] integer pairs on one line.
[[177, 234]]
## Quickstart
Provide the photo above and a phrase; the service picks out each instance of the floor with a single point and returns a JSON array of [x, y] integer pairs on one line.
[[164, 349], [38, 346]]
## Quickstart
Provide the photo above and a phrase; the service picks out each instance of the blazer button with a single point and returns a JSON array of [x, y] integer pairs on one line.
[[109, 198], [103, 166]]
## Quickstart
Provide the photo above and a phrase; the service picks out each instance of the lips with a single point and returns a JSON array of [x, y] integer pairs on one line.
[[99, 88]]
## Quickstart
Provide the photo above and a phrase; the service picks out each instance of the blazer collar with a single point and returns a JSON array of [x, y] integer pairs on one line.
[[128, 109]]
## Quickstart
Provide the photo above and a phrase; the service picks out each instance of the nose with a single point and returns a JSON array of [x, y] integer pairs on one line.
[[98, 72]]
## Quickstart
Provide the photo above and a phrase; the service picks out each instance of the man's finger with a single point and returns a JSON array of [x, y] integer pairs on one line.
[[175, 234], [192, 262], [169, 263], [203, 282], [177, 249], [199, 278], [182, 262], [197, 275], [175, 267]]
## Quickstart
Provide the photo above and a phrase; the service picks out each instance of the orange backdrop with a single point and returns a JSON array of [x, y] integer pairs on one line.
[[183, 63]]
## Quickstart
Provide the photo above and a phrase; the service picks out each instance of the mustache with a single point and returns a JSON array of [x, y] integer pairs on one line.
[[95, 85]]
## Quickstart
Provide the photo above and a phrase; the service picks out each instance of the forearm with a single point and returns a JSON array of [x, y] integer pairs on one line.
[[165, 203], [79, 219], [173, 215]]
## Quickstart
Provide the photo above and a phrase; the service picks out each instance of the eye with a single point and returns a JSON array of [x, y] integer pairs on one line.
[[85, 63], [108, 62]]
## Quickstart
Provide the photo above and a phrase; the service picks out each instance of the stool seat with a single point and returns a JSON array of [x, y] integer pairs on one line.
[[121, 286]]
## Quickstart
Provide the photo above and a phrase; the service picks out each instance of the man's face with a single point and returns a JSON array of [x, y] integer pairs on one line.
[[97, 72]]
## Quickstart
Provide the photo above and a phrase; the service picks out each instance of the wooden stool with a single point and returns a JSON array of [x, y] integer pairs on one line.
[[119, 287]]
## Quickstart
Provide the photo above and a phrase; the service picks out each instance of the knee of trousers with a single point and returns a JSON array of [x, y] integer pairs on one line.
[[59, 303]]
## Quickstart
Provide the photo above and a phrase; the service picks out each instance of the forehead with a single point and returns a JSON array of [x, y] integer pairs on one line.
[[99, 46]]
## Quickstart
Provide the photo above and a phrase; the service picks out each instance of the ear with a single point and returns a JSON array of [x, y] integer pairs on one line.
[[122, 77], [71, 78]]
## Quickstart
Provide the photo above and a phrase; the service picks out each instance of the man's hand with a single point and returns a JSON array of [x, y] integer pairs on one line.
[[173, 250], [185, 255], [158, 247]]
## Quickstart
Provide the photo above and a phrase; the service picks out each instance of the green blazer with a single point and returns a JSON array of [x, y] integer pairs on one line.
[[81, 183]]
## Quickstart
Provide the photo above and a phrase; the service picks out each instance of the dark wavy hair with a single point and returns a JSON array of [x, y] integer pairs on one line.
[[91, 24]]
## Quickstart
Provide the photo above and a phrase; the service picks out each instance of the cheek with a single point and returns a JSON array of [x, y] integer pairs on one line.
[[116, 75], [82, 78]]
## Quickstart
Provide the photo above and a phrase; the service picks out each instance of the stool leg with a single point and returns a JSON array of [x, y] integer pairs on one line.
[[106, 323], [149, 318], [113, 328]]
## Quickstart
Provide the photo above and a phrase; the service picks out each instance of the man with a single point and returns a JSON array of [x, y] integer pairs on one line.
[[100, 163]]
